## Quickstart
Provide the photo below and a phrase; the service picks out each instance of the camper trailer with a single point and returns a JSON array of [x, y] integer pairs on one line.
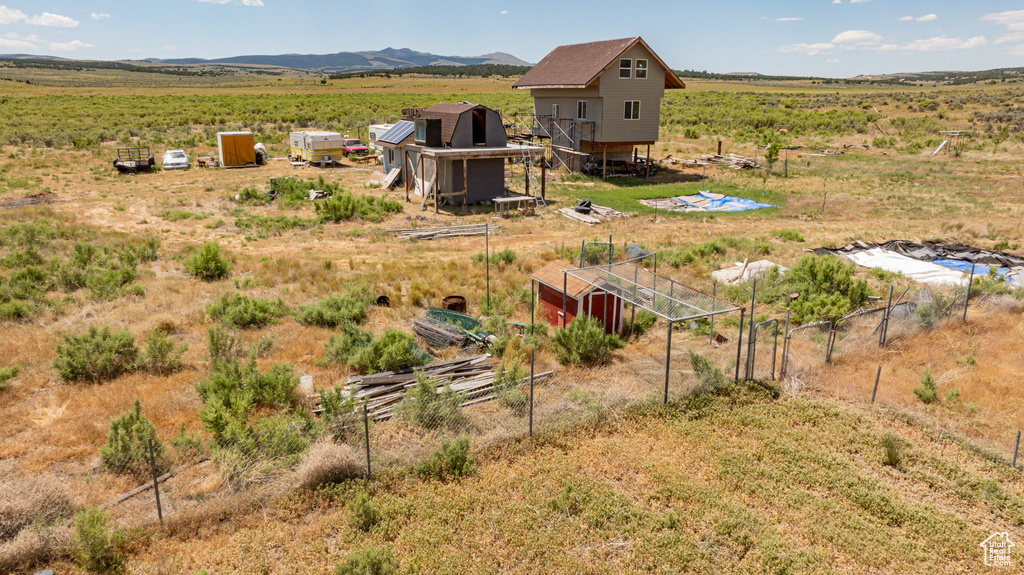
[[236, 149], [374, 132], [315, 146]]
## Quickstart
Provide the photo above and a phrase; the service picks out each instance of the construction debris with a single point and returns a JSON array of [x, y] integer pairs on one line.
[[745, 271], [444, 232], [733, 161], [438, 334], [596, 215], [472, 377]]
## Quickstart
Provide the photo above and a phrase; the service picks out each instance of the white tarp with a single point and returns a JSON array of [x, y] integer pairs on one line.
[[924, 272]]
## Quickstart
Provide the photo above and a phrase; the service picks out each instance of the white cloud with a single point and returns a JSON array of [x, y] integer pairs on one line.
[[789, 19], [936, 44], [927, 18], [1013, 19], [252, 2], [10, 15], [100, 16], [809, 49], [16, 44], [503, 12], [859, 1], [833, 61], [1011, 37], [837, 1], [69, 46], [906, 19], [52, 20], [857, 37]]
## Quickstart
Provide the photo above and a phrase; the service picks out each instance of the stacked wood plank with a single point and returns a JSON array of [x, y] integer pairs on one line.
[[472, 377], [597, 214], [733, 161], [443, 232]]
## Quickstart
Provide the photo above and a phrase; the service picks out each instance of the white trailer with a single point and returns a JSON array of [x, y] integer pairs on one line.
[[315, 147]]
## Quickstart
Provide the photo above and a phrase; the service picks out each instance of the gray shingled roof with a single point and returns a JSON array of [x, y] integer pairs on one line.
[[577, 65]]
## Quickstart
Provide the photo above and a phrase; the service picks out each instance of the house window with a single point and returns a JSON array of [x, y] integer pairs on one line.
[[632, 111], [625, 68], [391, 156], [554, 110], [581, 110], [641, 69], [421, 131]]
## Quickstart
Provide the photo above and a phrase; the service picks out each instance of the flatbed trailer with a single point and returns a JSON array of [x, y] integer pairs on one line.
[[131, 160]]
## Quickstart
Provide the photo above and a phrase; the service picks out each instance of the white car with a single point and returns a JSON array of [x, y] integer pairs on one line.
[[175, 160]]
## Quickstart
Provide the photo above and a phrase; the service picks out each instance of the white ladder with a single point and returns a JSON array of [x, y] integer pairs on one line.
[[528, 166]]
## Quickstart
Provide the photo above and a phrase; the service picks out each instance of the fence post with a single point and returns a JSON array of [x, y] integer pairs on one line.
[[967, 298], [711, 334], [785, 347], [748, 366], [611, 250], [739, 347], [533, 302], [1016, 447], [668, 359], [366, 432], [531, 391], [885, 320], [874, 391], [583, 248], [156, 484]]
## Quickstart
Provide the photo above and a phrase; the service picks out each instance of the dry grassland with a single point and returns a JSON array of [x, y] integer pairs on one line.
[[752, 485]]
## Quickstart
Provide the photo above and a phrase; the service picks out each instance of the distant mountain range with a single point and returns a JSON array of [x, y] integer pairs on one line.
[[386, 59]]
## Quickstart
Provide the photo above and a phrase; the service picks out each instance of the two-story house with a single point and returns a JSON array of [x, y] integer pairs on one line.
[[600, 100]]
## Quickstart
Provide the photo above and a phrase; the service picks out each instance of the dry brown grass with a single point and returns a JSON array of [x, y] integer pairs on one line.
[[328, 462], [23, 499]]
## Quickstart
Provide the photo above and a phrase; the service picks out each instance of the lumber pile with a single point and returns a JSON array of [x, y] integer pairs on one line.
[[733, 161], [443, 232], [597, 214], [472, 377]]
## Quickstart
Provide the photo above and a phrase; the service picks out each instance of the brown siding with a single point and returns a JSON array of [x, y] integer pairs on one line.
[[616, 91]]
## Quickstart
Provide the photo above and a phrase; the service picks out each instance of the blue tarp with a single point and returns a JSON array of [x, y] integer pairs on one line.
[[965, 266], [717, 203]]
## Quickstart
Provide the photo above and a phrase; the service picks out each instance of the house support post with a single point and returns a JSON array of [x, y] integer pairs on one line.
[[648, 163], [543, 176], [405, 173], [604, 161], [423, 184], [465, 185], [526, 176]]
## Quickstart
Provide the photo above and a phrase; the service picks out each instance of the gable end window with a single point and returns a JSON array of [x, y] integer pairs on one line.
[[581, 110], [554, 110], [632, 111], [625, 68], [641, 69]]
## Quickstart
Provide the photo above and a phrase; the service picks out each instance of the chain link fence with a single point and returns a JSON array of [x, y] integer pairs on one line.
[[386, 426]]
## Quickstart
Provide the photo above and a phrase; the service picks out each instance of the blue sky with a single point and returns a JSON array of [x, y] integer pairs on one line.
[[835, 38]]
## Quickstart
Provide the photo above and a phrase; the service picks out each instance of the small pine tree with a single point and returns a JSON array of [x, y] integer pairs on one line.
[[927, 392], [208, 264], [127, 447]]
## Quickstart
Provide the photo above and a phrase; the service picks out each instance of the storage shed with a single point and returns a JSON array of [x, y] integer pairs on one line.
[[580, 298], [236, 149]]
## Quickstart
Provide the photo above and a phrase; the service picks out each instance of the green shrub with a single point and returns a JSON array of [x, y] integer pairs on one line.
[[95, 355], [394, 350], [97, 545], [893, 446], [161, 355], [448, 463], [427, 407], [208, 264], [233, 390], [243, 312], [505, 257], [372, 561], [220, 344], [337, 309], [584, 342], [927, 392], [246, 453], [7, 374], [641, 322], [344, 206], [826, 289], [789, 235], [362, 514], [710, 379], [127, 447], [507, 385], [343, 347]]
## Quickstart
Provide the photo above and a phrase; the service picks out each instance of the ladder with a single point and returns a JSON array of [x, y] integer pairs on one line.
[[528, 166]]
